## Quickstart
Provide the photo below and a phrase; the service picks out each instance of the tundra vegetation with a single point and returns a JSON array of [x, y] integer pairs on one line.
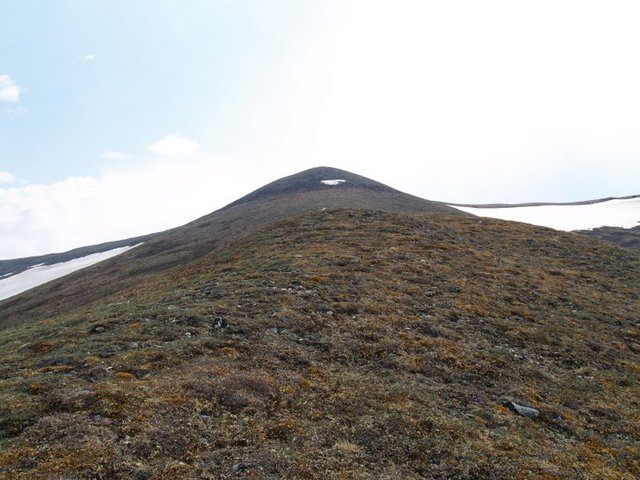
[[355, 344]]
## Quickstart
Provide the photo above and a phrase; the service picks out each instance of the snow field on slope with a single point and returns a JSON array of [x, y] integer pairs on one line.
[[41, 274], [623, 213]]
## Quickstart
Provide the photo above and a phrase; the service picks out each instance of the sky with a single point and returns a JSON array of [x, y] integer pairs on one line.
[[120, 118]]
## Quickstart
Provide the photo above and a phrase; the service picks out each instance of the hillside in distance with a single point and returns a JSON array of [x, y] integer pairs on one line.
[[310, 190], [624, 237]]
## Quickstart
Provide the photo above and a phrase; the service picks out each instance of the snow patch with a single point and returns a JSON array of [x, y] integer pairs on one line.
[[40, 274], [624, 213], [333, 182]]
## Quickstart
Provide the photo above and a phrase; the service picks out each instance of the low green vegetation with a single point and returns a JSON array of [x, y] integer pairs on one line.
[[345, 344]]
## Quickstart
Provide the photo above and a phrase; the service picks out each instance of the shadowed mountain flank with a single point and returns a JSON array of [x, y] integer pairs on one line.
[[284, 198]]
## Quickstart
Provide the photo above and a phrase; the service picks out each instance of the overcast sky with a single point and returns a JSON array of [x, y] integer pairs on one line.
[[119, 118]]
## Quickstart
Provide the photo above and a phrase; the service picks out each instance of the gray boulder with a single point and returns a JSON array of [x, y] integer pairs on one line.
[[522, 410]]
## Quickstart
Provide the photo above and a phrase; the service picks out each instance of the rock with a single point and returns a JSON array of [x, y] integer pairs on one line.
[[57, 362], [97, 329], [220, 322], [522, 410], [133, 345], [239, 467]]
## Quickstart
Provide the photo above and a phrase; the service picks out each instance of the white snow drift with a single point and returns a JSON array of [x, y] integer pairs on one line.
[[623, 213], [41, 274], [333, 182]]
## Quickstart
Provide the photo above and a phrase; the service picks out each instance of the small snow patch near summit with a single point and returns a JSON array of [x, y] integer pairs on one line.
[[333, 182]]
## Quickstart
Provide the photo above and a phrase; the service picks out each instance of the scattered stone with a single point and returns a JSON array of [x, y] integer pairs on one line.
[[240, 467], [133, 345], [97, 329], [56, 362], [95, 373], [220, 322], [522, 410]]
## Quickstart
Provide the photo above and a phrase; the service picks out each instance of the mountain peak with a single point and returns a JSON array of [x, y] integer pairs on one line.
[[318, 178]]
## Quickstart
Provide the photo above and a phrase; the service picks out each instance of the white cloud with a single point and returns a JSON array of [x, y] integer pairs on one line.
[[88, 57], [6, 177], [115, 156], [174, 145], [17, 111], [9, 91]]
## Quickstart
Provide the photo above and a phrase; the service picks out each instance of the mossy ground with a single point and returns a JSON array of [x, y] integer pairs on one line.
[[359, 345]]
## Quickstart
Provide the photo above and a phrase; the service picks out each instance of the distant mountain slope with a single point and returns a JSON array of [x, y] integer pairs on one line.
[[337, 344], [14, 284], [17, 265], [543, 204], [284, 198]]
